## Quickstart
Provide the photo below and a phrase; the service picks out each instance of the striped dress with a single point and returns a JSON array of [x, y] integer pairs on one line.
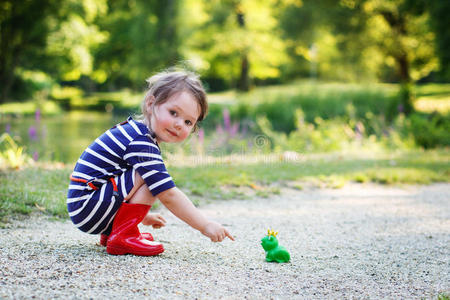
[[118, 153]]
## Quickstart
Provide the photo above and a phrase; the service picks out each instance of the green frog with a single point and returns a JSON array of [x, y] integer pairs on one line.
[[274, 252]]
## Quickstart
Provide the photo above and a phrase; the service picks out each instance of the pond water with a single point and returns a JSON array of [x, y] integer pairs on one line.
[[64, 137], [58, 138]]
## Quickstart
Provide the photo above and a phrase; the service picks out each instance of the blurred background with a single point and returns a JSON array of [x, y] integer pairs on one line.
[[283, 76]]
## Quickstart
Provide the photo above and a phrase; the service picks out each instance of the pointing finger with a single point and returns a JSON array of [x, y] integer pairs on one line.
[[229, 235]]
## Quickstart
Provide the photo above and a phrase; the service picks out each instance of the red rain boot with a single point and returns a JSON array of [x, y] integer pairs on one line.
[[145, 235], [125, 237]]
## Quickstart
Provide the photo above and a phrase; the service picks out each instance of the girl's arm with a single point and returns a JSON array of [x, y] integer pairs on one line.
[[180, 205]]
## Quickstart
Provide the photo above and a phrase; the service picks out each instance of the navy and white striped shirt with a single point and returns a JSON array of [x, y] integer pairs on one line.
[[126, 145]]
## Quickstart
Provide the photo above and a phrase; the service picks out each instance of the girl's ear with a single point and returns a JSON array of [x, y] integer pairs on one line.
[[149, 102]]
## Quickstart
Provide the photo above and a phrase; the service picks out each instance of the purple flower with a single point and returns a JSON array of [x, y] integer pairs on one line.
[[32, 132], [226, 119], [219, 130], [8, 128], [201, 135], [37, 115], [234, 129], [35, 155]]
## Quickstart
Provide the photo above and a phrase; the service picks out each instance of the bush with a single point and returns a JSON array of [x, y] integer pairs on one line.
[[431, 131]]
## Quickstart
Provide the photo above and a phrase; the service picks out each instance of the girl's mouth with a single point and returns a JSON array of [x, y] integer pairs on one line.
[[172, 133]]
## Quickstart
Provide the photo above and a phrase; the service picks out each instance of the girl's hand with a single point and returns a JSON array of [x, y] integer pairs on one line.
[[155, 220], [216, 232]]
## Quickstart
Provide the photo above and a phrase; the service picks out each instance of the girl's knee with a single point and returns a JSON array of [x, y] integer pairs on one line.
[[142, 196]]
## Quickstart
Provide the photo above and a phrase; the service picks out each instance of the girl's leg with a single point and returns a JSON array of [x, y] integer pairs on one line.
[[139, 194], [125, 236]]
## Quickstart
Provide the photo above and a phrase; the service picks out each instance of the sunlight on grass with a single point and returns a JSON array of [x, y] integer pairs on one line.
[[29, 108], [308, 87], [433, 97], [34, 189], [429, 104], [400, 175], [227, 97]]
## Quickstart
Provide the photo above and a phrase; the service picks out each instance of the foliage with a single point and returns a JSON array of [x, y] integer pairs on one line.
[[11, 155], [143, 38], [431, 131], [300, 117], [73, 38], [248, 30], [55, 37], [24, 29], [359, 39], [326, 101], [440, 23], [310, 118], [101, 45]]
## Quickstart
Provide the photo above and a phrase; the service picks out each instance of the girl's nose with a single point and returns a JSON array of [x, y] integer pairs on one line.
[[177, 124]]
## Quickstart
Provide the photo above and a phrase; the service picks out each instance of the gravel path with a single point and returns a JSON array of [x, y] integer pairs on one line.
[[361, 241]]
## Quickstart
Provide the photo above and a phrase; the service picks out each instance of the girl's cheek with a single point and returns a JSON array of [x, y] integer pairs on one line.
[[186, 134]]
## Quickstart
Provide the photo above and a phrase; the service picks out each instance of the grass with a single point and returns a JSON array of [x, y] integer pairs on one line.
[[331, 170], [433, 97], [29, 108], [43, 188], [33, 189], [315, 99], [430, 97], [443, 296], [120, 101]]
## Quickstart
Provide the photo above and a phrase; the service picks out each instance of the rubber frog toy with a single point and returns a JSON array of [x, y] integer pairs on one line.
[[274, 252]]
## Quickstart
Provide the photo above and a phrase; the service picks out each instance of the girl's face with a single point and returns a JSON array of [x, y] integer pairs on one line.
[[173, 120]]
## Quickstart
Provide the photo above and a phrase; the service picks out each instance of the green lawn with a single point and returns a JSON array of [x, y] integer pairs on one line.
[[42, 188]]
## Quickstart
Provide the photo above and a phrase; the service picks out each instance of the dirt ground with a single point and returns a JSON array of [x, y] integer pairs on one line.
[[361, 241]]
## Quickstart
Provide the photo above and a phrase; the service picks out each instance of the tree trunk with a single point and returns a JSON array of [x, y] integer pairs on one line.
[[406, 85], [243, 83], [8, 65]]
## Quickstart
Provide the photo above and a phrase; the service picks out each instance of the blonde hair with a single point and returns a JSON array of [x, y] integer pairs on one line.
[[168, 83]]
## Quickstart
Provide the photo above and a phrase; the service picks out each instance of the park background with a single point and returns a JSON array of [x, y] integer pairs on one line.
[[301, 92]]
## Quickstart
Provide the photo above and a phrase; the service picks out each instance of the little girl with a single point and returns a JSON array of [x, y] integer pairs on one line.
[[121, 174]]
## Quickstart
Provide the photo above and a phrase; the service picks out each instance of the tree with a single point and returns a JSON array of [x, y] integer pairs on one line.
[[439, 12], [143, 39], [231, 42], [50, 36], [404, 35], [243, 83], [23, 32], [373, 35], [73, 37]]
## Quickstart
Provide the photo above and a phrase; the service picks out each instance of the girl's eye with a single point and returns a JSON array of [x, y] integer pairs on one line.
[[173, 113], [188, 123]]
